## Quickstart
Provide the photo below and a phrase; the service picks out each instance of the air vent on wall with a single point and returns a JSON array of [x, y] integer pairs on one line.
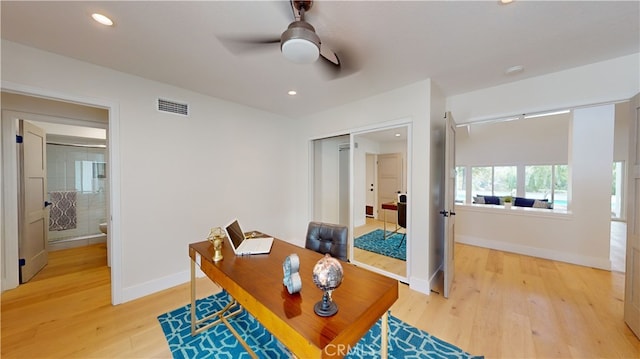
[[173, 107]]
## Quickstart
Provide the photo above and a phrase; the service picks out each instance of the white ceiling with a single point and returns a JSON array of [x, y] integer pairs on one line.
[[461, 45]]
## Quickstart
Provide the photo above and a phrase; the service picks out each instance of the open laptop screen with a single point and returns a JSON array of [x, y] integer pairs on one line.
[[235, 233]]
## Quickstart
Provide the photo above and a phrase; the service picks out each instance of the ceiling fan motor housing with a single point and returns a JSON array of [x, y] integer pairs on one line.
[[299, 43]]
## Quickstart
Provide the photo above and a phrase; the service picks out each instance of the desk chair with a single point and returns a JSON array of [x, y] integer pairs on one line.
[[402, 217], [328, 238]]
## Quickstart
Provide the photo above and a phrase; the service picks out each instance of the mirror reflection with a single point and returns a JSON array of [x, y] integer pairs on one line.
[[380, 199]]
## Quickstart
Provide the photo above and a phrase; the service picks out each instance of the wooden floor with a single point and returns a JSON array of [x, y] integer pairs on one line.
[[399, 267], [501, 306], [618, 250]]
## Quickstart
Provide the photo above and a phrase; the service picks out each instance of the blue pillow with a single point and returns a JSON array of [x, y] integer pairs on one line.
[[491, 200], [523, 202]]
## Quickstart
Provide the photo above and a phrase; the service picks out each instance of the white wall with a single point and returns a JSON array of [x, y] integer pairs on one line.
[[410, 103], [179, 176]]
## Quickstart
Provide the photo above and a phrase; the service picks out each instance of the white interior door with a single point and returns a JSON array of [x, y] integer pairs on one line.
[[632, 280], [34, 216], [370, 184], [389, 180], [449, 211]]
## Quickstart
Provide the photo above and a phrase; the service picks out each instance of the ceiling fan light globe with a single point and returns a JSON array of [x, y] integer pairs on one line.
[[300, 51], [299, 43]]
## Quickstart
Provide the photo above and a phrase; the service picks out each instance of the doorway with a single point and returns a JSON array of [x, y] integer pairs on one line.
[[75, 188], [33, 104]]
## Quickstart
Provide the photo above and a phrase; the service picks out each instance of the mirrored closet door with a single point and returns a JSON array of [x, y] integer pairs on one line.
[[379, 200]]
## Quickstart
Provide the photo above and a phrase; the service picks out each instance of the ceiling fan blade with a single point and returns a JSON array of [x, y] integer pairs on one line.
[[335, 66], [241, 45], [329, 55]]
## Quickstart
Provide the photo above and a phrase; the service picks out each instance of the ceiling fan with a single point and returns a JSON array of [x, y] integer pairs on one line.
[[299, 43]]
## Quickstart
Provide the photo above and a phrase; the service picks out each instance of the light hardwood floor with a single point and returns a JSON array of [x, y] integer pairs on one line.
[[502, 306], [396, 266], [618, 245]]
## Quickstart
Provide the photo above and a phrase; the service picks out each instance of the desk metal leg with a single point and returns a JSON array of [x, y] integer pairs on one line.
[[193, 297], [384, 221], [222, 315], [384, 337]]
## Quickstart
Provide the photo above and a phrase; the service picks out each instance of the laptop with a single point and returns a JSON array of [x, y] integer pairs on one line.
[[244, 246]]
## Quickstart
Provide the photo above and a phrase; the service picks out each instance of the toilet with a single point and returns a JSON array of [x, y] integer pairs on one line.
[[103, 227]]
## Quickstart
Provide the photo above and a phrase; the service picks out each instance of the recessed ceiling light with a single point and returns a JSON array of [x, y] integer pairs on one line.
[[102, 19], [292, 93], [397, 135], [514, 70], [506, 1]]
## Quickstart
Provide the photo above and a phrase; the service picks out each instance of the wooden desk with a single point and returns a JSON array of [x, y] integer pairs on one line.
[[255, 282], [391, 206]]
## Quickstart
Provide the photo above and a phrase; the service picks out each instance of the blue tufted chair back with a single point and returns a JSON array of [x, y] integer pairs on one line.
[[328, 238]]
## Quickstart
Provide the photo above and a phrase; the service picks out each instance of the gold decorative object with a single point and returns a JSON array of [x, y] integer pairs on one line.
[[216, 238]]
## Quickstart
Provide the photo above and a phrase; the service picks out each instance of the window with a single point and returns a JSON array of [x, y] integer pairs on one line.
[[494, 181], [547, 182], [616, 190], [538, 180], [560, 186], [505, 180], [482, 181]]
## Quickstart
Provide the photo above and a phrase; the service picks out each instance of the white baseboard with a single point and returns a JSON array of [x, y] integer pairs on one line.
[[76, 242], [156, 285], [545, 253]]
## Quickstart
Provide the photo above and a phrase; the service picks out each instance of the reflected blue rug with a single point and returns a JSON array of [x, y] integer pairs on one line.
[[405, 341], [373, 242]]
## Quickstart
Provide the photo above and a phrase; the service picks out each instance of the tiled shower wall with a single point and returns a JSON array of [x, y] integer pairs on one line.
[[80, 169]]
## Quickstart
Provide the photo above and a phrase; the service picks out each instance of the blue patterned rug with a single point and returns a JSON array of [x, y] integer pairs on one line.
[[405, 341], [373, 242]]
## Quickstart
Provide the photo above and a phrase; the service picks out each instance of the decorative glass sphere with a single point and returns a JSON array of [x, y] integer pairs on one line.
[[327, 273]]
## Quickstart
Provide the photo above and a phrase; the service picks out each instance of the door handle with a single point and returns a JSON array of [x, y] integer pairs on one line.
[[444, 213], [452, 213], [47, 204]]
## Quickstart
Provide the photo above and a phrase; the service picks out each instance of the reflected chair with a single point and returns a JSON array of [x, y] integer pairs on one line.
[[402, 218], [328, 238]]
